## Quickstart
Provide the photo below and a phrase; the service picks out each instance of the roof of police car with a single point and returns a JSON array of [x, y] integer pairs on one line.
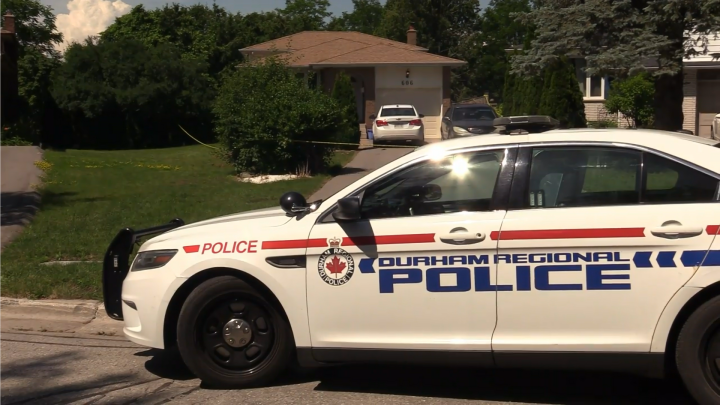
[[675, 143], [646, 137]]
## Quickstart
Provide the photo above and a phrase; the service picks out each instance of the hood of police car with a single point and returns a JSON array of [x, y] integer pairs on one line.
[[240, 223]]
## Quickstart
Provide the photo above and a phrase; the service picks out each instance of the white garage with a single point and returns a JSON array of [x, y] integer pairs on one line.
[[418, 86]]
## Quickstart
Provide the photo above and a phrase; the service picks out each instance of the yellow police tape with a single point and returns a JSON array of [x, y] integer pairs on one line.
[[209, 146], [313, 142]]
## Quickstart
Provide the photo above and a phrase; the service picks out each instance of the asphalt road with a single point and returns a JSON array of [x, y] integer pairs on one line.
[[52, 368], [18, 200]]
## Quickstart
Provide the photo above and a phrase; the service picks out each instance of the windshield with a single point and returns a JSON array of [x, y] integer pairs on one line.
[[473, 114], [397, 112]]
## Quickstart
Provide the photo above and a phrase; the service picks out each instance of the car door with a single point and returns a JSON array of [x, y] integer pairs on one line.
[[416, 271], [597, 241]]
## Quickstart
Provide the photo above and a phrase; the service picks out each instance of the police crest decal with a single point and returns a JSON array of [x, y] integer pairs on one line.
[[336, 266]]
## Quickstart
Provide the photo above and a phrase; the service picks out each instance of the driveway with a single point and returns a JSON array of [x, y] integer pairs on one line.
[[18, 200], [365, 162]]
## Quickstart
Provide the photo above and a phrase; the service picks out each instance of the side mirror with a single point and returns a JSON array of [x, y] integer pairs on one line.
[[348, 209], [421, 115], [293, 203], [432, 192], [373, 116]]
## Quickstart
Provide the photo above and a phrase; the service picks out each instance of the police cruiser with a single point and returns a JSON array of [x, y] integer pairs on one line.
[[575, 249]]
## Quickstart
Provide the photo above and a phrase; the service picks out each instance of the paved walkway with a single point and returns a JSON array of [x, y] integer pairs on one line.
[[18, 200], [365, 162]]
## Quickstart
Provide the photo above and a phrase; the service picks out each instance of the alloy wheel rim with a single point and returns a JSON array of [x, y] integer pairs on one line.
[[236, 333]]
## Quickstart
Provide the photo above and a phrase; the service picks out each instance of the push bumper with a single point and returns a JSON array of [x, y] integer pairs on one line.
[[116, 265]]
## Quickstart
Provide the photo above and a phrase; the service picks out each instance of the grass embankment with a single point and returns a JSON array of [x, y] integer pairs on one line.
[[88, 196]]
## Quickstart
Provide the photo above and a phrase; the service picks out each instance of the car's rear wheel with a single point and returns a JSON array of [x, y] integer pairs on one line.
[[230, 336], [698, 353]]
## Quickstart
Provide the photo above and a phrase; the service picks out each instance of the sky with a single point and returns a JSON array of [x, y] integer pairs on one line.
[[77, 19]]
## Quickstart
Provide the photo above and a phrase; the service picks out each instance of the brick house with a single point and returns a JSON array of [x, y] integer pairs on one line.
[[9, 69], [701, 100], [382, 71]]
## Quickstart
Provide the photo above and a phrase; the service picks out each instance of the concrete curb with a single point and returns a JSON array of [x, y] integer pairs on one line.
[[68, 316], [82, 311]]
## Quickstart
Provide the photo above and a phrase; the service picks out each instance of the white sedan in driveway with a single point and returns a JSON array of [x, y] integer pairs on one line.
[[398, 122], [577, 249]]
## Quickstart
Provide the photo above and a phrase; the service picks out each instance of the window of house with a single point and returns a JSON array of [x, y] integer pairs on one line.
[[462, 182], [590, 86]]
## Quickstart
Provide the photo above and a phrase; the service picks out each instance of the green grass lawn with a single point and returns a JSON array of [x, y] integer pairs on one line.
[[89, 196]]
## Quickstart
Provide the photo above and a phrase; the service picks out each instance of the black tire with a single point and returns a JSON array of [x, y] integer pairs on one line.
[[698, 353], [207, 353]]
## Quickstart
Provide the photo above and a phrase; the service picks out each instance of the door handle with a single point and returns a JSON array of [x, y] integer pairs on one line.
[[462, 238], [677, 231]]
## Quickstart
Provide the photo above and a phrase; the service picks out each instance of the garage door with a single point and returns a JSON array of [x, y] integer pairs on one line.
[[708, 104], [426, 101]]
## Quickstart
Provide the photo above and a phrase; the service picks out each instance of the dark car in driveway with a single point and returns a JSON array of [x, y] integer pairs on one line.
[[467, 120]]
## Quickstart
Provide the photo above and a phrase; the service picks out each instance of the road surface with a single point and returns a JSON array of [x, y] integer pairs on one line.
[[55, 368], [18, 200]]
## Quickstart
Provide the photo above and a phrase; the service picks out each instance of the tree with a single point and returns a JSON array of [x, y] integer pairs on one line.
[[264, 112], [36, 113], [441, 26], [620, 37], [561, 97], [305, 15], [508, 95], [34, 25], [344, 95], [633, 97], [366, 16], [126, 94], [39, 113], [211, 35]]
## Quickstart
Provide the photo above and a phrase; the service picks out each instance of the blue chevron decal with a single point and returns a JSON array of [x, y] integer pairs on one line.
[[642, 260], [366, 266], [666, 259]]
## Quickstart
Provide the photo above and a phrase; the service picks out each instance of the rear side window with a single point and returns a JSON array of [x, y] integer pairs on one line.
[[596, 176], [582, 177], [671, 182], [397, 112]]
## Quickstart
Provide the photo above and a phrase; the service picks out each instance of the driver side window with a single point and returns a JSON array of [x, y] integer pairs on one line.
[[456, 183]]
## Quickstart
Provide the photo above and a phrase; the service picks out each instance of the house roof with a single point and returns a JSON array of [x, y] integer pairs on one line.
[[342, 48], [307, 39]]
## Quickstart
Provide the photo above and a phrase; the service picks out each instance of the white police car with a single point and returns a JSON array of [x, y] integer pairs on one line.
[[575, 249]]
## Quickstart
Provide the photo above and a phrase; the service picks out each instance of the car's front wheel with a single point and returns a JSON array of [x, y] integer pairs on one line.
[[230, 336], [698, 353]]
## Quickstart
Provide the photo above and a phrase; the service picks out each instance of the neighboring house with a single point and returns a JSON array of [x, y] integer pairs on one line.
[[8, 70], [382, 71], [701, 99]]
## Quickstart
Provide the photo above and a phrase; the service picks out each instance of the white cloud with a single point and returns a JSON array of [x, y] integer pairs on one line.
[[88, 17]]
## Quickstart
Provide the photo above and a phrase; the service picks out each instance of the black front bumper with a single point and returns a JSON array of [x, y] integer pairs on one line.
[[117, 263]]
